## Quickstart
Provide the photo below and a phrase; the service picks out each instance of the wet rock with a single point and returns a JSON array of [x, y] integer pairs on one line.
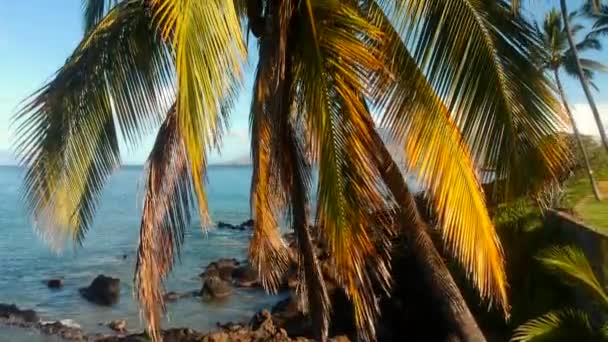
[[173, 296], [215, 288], [245, 276], [119, 325], [247, 224], [225, 225], [218, 336], [55, 283], [222, 268], [103, 290], [14, 315], [66, 329]]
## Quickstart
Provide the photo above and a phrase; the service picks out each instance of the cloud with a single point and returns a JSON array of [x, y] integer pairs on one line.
[[585, 120]]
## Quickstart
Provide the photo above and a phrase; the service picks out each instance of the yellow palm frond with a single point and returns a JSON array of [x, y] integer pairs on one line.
[[332, 62], [166, 216], [208, 49], [435, 151], [477, 56], [267, 250], [66, 134]]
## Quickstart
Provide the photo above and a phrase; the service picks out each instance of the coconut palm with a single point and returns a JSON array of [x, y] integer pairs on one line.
[[453, 83], [558, 56], [580, 70], [569, 324]]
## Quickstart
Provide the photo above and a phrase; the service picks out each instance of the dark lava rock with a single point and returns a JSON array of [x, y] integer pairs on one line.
[[14, 315], [215, 288], [103, 290], [225, 225], [119, 325], [247, 224], [245, 276], [54, 283], [173, 296], [222, 268], [66, 332]]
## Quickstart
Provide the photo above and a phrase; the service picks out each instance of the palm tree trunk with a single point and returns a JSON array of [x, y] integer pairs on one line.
[[582, 78], [313, 285], [436, 276], [596, 191]]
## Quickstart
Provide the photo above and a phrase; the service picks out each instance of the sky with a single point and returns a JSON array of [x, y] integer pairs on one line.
[[36, 37]]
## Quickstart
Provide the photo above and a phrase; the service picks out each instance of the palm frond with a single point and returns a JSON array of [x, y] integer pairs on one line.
[[209, 50], [435, 151], [66, 134], [267, 250], [572, 263], [475, 64], [332, 63], [166, 216], [95, 10], [564, 325]]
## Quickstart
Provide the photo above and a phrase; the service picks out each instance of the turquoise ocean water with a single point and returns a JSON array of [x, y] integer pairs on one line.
[[25, 260]]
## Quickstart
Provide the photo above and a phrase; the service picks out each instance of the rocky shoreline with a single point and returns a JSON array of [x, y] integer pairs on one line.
[[283, 323]]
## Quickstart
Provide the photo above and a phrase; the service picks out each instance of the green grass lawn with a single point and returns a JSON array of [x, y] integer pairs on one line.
[[580, 198]]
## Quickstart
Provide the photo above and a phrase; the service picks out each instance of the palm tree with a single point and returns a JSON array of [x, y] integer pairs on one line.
[[452, 82], [558, 55], [580, 70], [568, 324]]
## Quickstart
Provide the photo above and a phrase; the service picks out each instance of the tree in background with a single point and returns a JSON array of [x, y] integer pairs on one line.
[[580, 70], [559, 56], [453, 82]]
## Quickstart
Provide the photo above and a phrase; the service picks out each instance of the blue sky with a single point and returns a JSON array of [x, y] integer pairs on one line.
[[36, 36]]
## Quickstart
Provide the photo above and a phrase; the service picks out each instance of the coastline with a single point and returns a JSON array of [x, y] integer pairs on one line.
[[284, 321]]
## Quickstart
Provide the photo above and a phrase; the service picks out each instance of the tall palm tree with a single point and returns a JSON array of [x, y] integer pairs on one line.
[[452, 82], [580, 70], [558, 56]]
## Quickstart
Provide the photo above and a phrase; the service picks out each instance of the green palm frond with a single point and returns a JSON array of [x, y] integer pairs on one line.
[[571, 262], [332, 63], [66, 133], [209, 51], [475, 64], [435, 152], [95, 10], [564, 325], [166, 216]]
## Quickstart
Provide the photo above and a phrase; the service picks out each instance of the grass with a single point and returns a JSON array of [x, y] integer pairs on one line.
[[580, 198]]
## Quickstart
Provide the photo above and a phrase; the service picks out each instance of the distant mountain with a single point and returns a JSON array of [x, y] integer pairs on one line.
[[240, 161]]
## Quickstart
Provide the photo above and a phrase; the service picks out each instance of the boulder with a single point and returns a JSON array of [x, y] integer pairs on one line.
[[245, 276], [222, 268], [14, 315], [66, 329], [247, 224], [171, 296], [225, 225], [119, 325], [55, 283], [215, 288], [103, 290]]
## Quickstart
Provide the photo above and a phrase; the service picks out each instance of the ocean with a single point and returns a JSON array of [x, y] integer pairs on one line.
[[26, 261]]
